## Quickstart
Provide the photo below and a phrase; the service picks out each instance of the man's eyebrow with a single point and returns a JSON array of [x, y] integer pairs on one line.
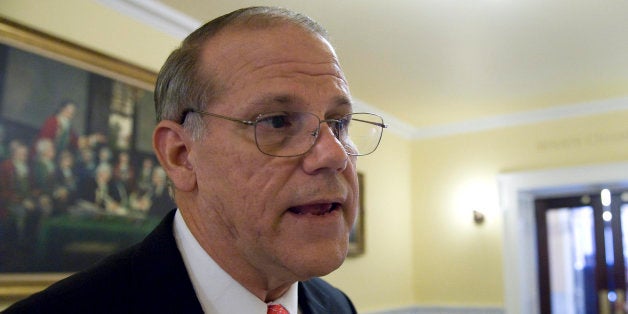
[[291, 99], [282, 99], [343, 101], [285, 99]]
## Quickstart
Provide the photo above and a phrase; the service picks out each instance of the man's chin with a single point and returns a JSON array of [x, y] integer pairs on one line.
[[322, 264]]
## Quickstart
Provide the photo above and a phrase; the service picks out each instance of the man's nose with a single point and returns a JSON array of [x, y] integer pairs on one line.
[[328, 152]]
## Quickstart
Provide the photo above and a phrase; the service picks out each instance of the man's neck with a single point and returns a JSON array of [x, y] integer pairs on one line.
[[215, 286]]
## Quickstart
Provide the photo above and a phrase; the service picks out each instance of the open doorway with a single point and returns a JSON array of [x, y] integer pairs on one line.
[[518, 192], [581, 252]]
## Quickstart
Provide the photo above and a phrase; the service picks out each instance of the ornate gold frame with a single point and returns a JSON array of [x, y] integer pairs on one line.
[[14, 34], [16, 286]]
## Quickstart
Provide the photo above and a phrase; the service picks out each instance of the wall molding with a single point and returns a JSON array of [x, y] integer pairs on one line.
[[441, 310], [523, 118], [155, 14]]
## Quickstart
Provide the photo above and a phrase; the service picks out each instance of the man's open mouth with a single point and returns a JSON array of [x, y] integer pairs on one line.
[[315, 209]]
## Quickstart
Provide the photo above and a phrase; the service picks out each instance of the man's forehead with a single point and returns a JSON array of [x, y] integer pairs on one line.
[[239, 56], [273, 41]]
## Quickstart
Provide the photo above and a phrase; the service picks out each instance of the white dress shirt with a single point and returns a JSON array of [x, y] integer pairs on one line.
[[215, 289]]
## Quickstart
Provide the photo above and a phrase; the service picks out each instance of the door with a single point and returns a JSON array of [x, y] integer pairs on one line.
[[581, 253]]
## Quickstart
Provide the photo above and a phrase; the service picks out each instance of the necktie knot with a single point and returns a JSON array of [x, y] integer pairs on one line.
[[276, 309]]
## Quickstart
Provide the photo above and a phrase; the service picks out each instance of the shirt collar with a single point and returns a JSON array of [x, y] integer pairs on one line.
[[215, 289]]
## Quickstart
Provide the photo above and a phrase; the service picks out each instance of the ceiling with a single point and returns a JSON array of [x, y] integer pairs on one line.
[[427, 63]]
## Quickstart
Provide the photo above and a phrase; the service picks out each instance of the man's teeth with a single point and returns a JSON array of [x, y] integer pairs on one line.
[[318, 210]]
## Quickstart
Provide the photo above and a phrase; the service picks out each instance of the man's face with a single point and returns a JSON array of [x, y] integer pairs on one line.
[[68, 111], [20, 154], [103, 176], [48, 153], [283, 217], [66, 161]]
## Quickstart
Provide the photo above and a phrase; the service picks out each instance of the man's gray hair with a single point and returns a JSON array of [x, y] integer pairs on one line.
[[182, 87]]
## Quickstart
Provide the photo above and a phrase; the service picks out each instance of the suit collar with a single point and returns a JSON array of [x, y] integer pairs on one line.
[[310, 301]]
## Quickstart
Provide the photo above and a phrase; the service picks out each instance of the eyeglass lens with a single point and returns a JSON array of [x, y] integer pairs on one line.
[[294, 133]]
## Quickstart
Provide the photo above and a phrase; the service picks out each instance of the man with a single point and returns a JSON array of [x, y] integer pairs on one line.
[[160, 201], [16, 204], [105, 193], [44, 167], [58, 128], [257, 136]]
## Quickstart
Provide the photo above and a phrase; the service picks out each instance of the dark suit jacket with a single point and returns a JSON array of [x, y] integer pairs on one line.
[[150, 277]]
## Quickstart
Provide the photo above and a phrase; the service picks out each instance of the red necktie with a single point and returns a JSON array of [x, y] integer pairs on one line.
[[276, 309]]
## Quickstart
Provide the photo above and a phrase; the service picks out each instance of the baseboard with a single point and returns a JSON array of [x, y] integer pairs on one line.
[[442, 310]]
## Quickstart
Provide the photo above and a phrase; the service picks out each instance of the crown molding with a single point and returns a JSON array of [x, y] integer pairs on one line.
[[522, 118], [155, 14], [175, 23], [395, 125]]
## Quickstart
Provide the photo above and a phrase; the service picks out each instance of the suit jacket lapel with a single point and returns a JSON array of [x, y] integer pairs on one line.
[[311, 302], [162, 273]]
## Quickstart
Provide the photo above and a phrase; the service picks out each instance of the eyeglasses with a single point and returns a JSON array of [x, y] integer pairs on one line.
[[290, 134]]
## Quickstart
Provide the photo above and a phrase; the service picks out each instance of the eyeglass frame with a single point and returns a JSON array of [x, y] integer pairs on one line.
[[315, 134]]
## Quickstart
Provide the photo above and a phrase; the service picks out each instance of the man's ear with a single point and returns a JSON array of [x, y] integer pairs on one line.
[[171, 144]]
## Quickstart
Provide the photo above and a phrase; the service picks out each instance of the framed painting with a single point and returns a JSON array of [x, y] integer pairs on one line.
[[356, 238], [78, 178]]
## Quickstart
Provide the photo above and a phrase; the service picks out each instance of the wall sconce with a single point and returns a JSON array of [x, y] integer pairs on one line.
[[478, 217]]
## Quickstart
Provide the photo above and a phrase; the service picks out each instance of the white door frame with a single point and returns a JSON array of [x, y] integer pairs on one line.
[[517, 192]]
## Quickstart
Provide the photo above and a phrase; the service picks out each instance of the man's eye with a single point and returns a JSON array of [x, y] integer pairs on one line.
[[343, 123], [275, 122]]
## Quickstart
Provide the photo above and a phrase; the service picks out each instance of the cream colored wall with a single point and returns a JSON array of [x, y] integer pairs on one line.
[[382, 277], [457, 262]]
